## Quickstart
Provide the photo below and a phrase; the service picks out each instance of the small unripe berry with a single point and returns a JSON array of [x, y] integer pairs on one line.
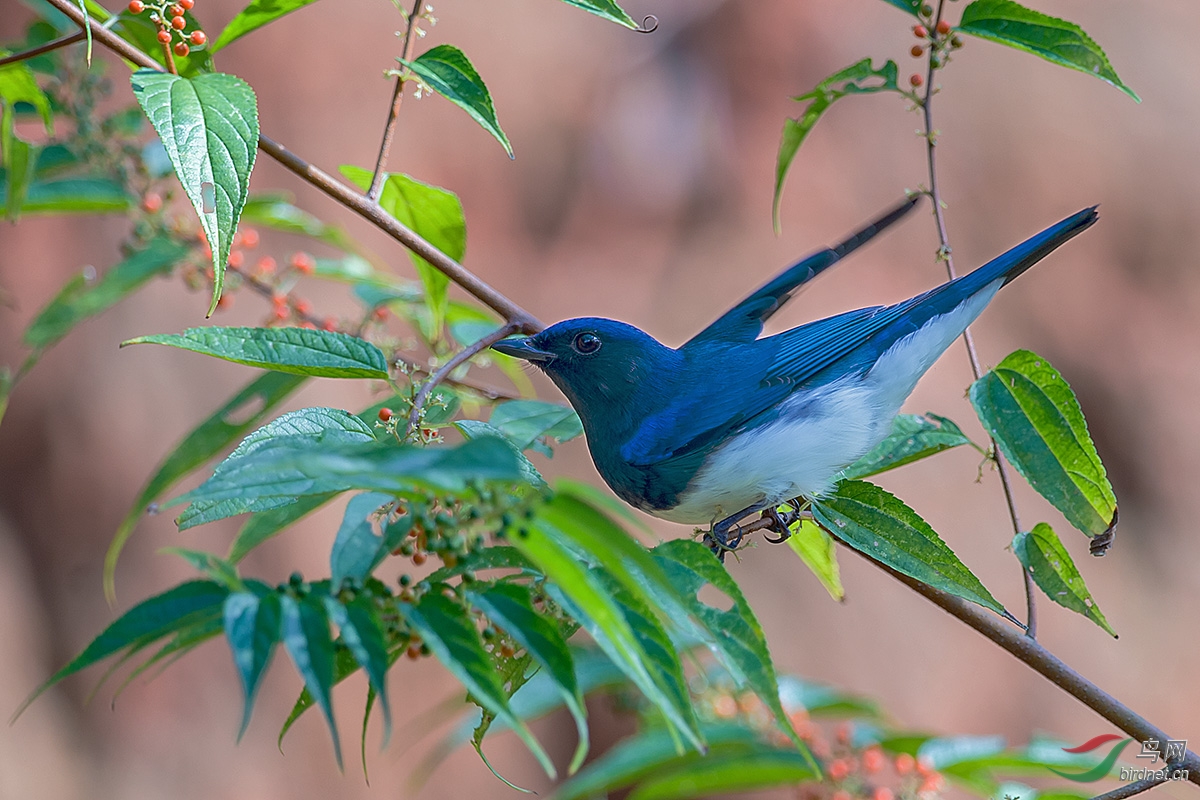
[[178, 23], [956, 41], [136, 6], [927, 10], [164, 37], [181, 49], [920, 31], [199, 38], [917, 51], [943, 27], [935, 62], [915, 79]]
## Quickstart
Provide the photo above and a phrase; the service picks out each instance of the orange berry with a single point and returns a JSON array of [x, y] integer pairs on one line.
[[304, 263], [924, 767], [225, 302], [844, 732], [186, 5], [250, 235], [943, 27], [181, 49], [279, 300], [883, 793], [265, 265], [413, 651], [164, 37], [507, 651], [904, 764], [838, 769], [920, 31], [152, 202], [136, 6], [175, 10], [178, 23], [873, 760], [381, 313], [302, 306], [917, 51], [385, 414], [329, 324], [725, 706], [199, 38], [236, 258], [915, 79], [418, 558], [931, 784], [280, 313]]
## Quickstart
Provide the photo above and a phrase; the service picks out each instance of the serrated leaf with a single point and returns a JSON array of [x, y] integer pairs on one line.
[[851, 80], [1031, 412], [242, 412], [362, 632], [277, 211], [141, 625], [305, 631], [1056, 40], [1055, 573], [509, 606], [298, 351], [607, 9], [879, 524], [524, 422], [448, 630], [265, 524], [910, 6], [252, 623], [357, 549], [472, 429], [912, 438], [446, 70], [78, 300], [70, 196], [436, 215], [255, 15], [209, 127], [818, 552], [302, 430]]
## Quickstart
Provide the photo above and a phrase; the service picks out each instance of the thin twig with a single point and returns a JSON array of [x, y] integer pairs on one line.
[[455, 361], [389, 130], [510, 311], [1129, 790], [1044, 662], [43, 48], [944, 252]]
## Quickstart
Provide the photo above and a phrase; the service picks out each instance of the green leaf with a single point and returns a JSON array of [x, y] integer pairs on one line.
[[254, 16], [509, 606], [78, 300], [357, 550], [211, 566], [1041, 552], [1056, 40], [739, 639], [912, 438], [70, 195], [344, 666], [879, 524], [606, 9], [450, 633], [146, 622], [436, 215], [818, 552], [524, 422], [472, 429], [138, 29], [728, 773], [1033, 415], [300, 430], [241, 413], [265, 524], [277, 211], [209, 127], [911, 6], [362, 632], [860, 78], [448, 72], [299, 351], [307, 639], [18, 85], [252, 628]]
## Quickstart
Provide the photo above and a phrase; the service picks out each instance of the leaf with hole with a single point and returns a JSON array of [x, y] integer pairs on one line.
[[209, 127], [446, 70], [1055, 573], [1031, 412]]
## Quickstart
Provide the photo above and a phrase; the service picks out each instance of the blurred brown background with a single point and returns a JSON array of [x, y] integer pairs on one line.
[[641, 190]]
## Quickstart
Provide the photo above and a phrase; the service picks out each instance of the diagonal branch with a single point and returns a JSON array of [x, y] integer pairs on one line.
[[1130, 789], [455, 361], [512, 313], [33, 52], [389, 130]]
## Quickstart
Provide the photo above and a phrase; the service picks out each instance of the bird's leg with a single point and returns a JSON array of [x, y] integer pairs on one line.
[[782, 523], [719, 539]]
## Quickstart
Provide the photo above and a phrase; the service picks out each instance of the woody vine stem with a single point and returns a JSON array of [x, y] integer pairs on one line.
[[518, 320]]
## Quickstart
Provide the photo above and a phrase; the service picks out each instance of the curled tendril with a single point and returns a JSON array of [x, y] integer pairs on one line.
[[649, 24]]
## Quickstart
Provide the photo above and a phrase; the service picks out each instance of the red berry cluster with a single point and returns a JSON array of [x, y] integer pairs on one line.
[[937, 35], [171, 22]]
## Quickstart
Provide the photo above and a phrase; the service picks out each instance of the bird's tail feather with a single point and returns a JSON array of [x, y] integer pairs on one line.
[[1020, 258]]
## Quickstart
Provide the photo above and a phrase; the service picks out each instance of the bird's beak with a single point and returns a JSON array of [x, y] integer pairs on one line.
[[523, 348]]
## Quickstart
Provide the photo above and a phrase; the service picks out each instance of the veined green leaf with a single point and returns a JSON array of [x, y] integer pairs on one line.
[[357, 549], [607, 9], [450, 633], [277, 211], [912, 438], [818, 552], [308, 641], [299, 351], [879, 524], [242, 412], [18, 85], [209, 127], [525, 422], [1033, 415], [436, 215], [1056, 40], [473, 429], [1053, 570], [860, 78], [362, 632], [69, 196], [446, 70], [255, 15], [78, 300], [252, 628]]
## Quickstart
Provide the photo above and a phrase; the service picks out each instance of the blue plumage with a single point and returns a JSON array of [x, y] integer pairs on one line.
[[730, 423]]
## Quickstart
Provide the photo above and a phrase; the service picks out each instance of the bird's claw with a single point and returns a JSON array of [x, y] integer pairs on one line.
[[720, 542], [780, 523]]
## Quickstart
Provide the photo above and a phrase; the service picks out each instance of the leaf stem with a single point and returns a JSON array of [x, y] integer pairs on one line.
[[389, 130], [945, 254], [455, 361]]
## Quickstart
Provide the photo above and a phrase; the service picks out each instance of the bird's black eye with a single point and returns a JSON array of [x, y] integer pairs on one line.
[[586, 343]]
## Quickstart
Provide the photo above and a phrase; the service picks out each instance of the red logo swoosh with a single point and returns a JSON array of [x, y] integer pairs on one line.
[[1092, 744]]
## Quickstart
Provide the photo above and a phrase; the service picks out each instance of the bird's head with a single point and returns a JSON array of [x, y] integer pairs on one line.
[[604, 367]]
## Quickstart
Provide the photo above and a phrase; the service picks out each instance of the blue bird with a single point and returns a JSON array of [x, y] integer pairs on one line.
[[731, 424]]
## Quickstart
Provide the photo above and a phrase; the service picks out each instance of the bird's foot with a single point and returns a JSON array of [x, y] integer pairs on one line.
[[724, 538], [782, 523]]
